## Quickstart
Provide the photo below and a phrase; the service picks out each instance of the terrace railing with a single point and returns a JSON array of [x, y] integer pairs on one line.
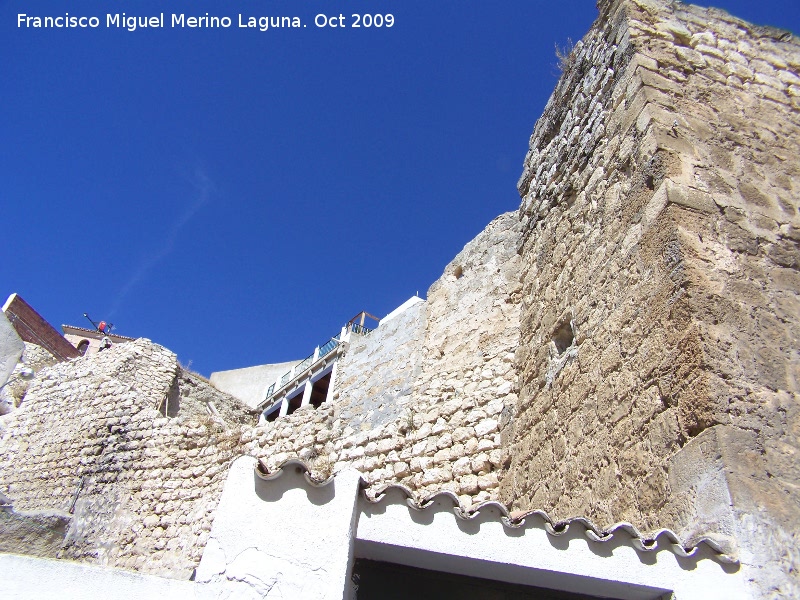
[[310, 360], [355, 325]]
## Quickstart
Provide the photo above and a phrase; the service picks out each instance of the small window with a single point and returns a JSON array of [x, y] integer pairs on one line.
[[83, 346]]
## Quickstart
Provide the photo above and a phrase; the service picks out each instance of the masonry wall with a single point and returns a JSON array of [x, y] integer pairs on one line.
[[33, 357], [658, 363], [420, 400], [624, 348], [118, 451], [375, 377]]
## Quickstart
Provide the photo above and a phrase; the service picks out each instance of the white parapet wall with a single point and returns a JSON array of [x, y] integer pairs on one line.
[[436, 539], [287, 538], [283, 538]]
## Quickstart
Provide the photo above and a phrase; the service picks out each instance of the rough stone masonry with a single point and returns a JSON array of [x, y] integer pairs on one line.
[[113, 458], [624, 348], [659, 353]]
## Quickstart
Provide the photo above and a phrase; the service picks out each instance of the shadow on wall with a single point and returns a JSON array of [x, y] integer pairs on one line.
[[292, 475], [171, 405]]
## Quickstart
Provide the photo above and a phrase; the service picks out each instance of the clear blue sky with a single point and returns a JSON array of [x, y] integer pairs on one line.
[[238, 195]]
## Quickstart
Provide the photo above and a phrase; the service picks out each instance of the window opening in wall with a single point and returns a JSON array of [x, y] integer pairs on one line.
[[373, 580], [294, 403], [563, 336], [274, 414], [320, 391], [83, 346]]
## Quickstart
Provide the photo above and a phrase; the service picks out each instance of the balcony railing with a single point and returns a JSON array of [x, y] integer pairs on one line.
[[322, 352], [359, 329], [328, 346], [355, 325]]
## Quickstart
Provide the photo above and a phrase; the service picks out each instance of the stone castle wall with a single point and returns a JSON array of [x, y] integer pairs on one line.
[[117, 450], [658, 356], [420, 400]]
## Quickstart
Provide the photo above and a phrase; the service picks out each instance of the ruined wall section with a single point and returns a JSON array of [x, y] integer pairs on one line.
[[376, 375], [467, 388], [33, 357], [444, 430], [658, 350], [91, 445]]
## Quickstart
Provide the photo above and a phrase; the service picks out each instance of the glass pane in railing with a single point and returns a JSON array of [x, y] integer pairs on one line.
[[328, 346]]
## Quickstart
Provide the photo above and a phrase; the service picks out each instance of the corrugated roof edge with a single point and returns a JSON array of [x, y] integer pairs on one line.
[[639, 541]]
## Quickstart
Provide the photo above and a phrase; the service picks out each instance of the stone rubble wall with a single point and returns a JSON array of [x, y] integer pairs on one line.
[[660, 244], [433, 393], [593, 434], [91, 443], [375, 377], [33, 357]]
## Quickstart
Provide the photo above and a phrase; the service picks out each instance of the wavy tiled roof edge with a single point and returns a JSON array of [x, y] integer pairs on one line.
[[638, 540]]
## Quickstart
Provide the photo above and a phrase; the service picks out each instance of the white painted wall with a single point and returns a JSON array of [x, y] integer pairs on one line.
[[282, 538], [26, 578], [413, 301], [250, 384], [436, 539]]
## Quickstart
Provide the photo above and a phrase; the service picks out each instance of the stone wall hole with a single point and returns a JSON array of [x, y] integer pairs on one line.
[[563, 337]]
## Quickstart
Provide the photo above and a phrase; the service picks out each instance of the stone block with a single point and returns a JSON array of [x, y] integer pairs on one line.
[[435, 475], [401, 469], [468, 485], [480, 464], [462, 434], [486, 427]]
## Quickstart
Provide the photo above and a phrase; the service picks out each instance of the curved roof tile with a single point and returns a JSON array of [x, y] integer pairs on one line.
[[640, 541]]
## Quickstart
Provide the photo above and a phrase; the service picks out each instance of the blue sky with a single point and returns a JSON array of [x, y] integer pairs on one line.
[[238, 195]]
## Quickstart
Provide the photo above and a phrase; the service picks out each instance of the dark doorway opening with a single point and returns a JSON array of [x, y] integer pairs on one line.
[[375, 580]]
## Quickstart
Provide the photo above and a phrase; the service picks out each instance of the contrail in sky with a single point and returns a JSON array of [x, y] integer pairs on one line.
[[205, 188]]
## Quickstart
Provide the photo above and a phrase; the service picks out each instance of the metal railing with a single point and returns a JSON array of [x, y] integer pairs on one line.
[[301, 366], [328, 346], [359, 329], [324, 350], [355, 325]]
